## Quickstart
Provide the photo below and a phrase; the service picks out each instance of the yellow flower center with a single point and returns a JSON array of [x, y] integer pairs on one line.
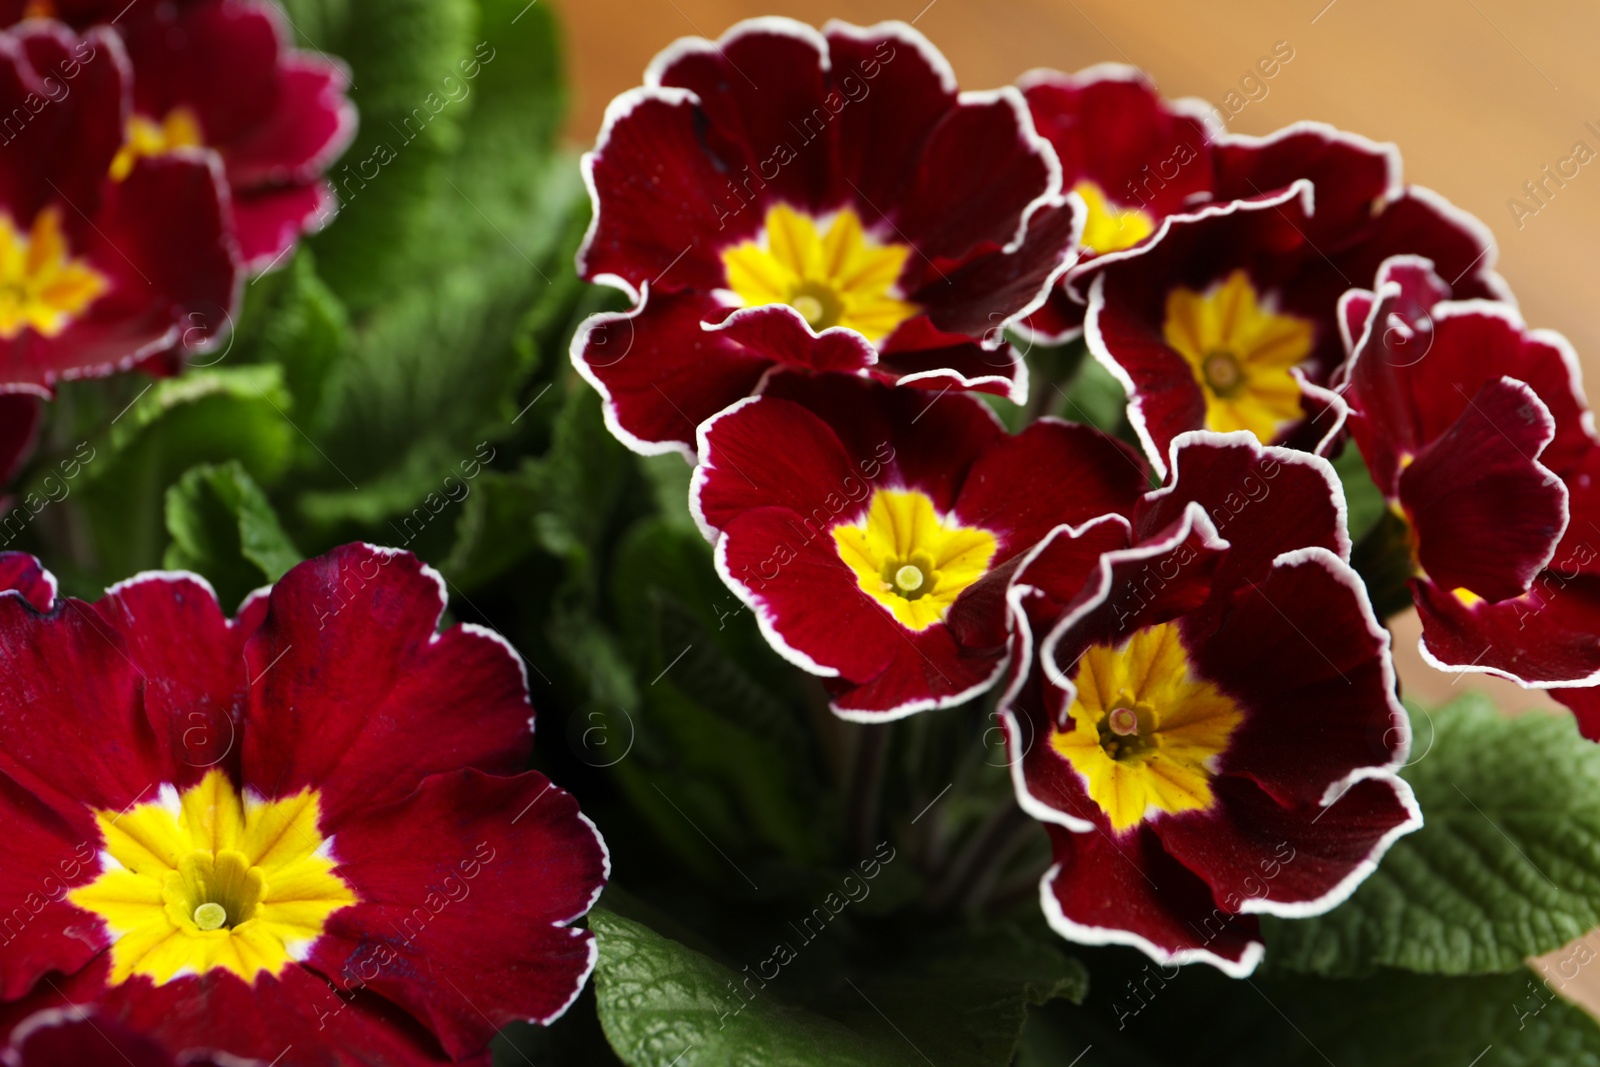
[[909, 559], [149, 138], [206, 880], [1145, 731], [1110, 228], [834, 275], [1240, 351], [41, 285]]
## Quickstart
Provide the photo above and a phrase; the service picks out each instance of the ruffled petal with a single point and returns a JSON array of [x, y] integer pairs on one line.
[[660, 372], [1131, 892], [466, 891], [1261, 856], [352, 691]]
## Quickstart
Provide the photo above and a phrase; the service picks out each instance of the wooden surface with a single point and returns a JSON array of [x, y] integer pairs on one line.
[[1479, 94]]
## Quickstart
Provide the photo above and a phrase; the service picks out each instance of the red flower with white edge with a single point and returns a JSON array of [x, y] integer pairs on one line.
[[820, 200], [220, 74], [96, 273], [1477, 430], [1133, 156], [58, 1037], [873, 529], [1209, 729], [305, 826], [1227, 319]]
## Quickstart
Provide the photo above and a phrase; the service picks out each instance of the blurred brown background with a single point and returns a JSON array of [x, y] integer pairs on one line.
[[1480, 95]]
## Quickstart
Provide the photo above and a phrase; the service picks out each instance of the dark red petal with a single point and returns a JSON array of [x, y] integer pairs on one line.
[[1486, 515], [762, 85], [219, 58], [298, 1017], [927, 670], [1421, 222], [660, 372], [1576, 553], [1308, 663], [777, 332], [1050, 474], [1131, 892], [353, 692], [56, 1037], [1419, 360], [191, 661], [898, 87], [19, 428], [1058, 320], [983, 168], [1352, 175], [72, 91], [46, 856], [1259, 856], [811, 475], [912, 438], [663, 202], [162, 238], [22, 573], [1263, 500], [919, 355], [1155, 581], [1549, 634], [808, 603], [74, 731], [984, 295], [1067, 558], [310, 125], [268, 222], [1585, 706], [1108, 125], [466, 889]]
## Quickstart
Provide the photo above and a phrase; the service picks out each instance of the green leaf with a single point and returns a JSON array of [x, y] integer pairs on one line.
[[496, 527], [223, 528], [442, 355], [722, 728], [304, 330], [662, 1004], [210, 415], [1506, 867], [407, 82], [1094, 397]]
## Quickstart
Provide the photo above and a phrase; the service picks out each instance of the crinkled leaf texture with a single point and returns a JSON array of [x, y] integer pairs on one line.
[[1506, 867], [663, 1004], [223, 527]]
